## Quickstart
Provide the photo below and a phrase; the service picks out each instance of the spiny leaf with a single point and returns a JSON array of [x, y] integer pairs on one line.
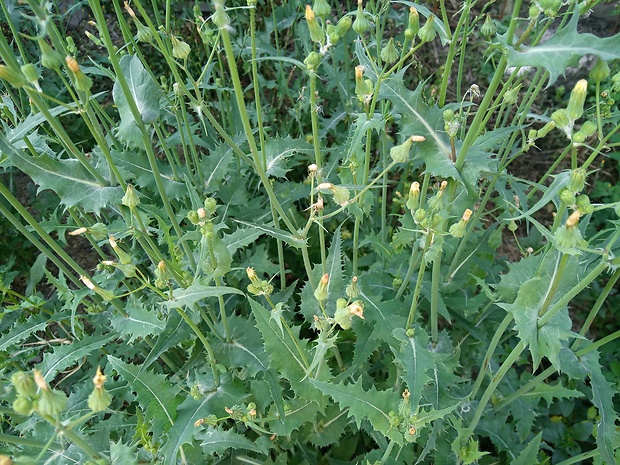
[[157, 396], [268, 229], [372, 404], [416, 361], [139, 322], [69, 354], [196, 292], [68, 178], [279, 150], [21, 331], [217, 441], [144, 92], [171, 336], [191, 410], [288, 353], [565, 48], [241, 238], [550, 392], [529, 455]]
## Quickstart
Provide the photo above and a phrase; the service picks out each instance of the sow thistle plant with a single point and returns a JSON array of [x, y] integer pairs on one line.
[[300, 234]]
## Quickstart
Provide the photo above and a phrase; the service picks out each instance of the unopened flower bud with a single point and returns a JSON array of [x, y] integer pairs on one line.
[[400, 153], [143, 33], [419, 215], [414, 196], [578, 179], [352, 291], [13, 77], [312, 61], [361, 24], [23, 406], [81, 82], [427, 32], [320, 293], [99, 399], [107, 295], [50, 58], [588, 128], [574, 110], [578, 137], [600, 71], [343, 25], [511, 95], [180, 49], [567, 197], [488, 28], [568, 236], [130, 199], [31, 74], [413, 21], [560, 118], [389, 54], [220, 18], [583, 205], [436, 202], [317, 34], [192, 215], [321, 8], [24, 384]]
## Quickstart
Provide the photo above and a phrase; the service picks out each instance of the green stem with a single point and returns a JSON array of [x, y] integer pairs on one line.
[[417, 290], [205, 343], [435, 280], [78, 441], [557, 279]]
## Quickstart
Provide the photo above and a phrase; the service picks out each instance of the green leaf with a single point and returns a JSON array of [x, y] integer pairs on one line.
[[121, 453], [372, 404], [416, 361], [602, 397], [172, 335], [241, 238], [550, 392], [328, 428], [191, 410], [217, 441], [68, 355], [21, 331], [288, 353], [145, 93], [278, 151], [529, 455], [565, 48], [196, 292], [268, 229], [560, 182], [139, 322], [68, 178], [156, 395]]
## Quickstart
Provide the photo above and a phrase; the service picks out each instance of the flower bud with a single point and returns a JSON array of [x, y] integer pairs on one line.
[[192, 215], [23, 406], [107, 295], [512, 226], [560, 118], [567, 197], [50, 58], [427, 32], [81, 82], [130, 199], [400, 153], [577, 179], [15, 78], [71, 48], [419, 215], [31, 74], [583, 205], [320, 293], [317, 34], [574, 110], [413, 22], [162, 275], [340, 194], [568, 236], [99, 399], [550, 7], [352, 291], [458, 229], [600, 71], [51, 402], [588, 128], [578, 137], [542, 132], [210, 205], [143, 33], [511, 96], [361, 24], [363, 87], [344, 316], [321, 8], [414, 196], [220, 18], [436, 202], [312, 61], [24, 384], [389, 54], [409, 34], [488, 28], [180, 49], [343, 25]]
